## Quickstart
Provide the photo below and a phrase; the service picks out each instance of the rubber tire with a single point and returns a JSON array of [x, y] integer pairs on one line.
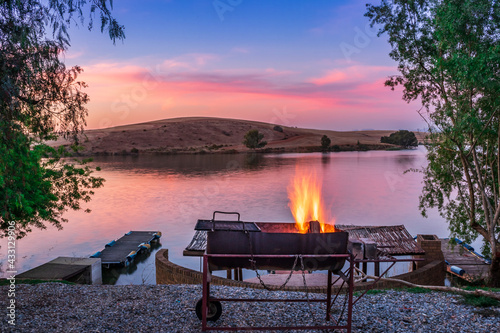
[[214, 310]]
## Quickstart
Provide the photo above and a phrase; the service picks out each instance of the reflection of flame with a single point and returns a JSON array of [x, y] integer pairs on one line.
[[306, 202]]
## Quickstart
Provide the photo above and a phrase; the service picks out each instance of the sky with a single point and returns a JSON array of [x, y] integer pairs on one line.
[[313, 64]]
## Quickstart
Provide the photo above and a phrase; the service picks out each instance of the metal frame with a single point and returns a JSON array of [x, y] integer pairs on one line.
[[347, 279]]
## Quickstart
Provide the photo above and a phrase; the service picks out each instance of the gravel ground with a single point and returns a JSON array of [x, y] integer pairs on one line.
[[55, 307]]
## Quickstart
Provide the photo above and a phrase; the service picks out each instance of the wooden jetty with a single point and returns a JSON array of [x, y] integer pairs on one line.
[[124, 250], [78, 270], [472, 265]]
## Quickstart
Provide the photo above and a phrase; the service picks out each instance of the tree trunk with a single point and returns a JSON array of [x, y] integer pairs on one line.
[[494, 276]]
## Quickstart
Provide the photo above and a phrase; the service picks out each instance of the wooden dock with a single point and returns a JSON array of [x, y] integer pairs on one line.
[[124, 250], [78, 270], [459, 256]]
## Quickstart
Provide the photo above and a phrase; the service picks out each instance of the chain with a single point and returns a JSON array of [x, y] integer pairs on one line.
[[254, 268], [252, 262], [305, 287]]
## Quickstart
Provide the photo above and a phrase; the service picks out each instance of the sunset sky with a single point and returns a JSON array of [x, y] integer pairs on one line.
[[314, 64]]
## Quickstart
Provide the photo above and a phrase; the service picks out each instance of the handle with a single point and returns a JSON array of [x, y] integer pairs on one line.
[[227, 213]]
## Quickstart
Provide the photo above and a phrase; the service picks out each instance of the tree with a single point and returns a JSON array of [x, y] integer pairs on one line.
[[253, 139], [40, 97], [403, 138], [325, 143], [449, 58]]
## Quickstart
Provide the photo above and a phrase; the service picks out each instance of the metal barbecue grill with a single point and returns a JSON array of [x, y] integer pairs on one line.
[[238, 244], [279, 246], [263, 243]]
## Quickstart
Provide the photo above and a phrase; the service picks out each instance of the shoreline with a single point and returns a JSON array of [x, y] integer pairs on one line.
[[206, 151]]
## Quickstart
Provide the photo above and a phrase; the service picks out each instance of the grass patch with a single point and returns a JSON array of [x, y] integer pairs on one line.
[[479, 301], [417, 290], [497, 290], [375, 291]]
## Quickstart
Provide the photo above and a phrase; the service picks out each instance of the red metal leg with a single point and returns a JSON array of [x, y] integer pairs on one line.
[[351, 291], [205, 294], [328, 295]]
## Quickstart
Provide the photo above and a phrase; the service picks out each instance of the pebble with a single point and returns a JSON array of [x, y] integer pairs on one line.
[[57, 307]]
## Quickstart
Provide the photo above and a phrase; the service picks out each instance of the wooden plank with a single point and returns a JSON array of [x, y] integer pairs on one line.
[[117, 253], [459, 256], [52, 271]]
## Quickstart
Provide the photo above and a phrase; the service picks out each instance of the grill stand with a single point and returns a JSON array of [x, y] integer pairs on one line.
[[349, 279]]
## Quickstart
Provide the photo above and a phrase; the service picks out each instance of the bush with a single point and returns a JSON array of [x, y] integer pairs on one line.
[[253, 139], [278, 128], [325, 143], [403, 138]]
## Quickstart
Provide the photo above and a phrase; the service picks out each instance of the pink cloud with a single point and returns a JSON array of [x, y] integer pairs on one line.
[[124, 93], [356, 73]]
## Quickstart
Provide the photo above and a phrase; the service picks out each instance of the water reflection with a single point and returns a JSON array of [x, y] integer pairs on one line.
[[169, 193]]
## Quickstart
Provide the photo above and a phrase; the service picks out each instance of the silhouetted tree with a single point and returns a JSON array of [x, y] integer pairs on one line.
[[253, 139], [325, 143], [448, 54], [39, 99], [403, 138]]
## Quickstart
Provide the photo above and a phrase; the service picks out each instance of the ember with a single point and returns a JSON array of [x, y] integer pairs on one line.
[[306, 202]]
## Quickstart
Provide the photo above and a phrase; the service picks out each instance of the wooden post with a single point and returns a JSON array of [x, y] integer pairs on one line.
[[377, 268], [228, 274]]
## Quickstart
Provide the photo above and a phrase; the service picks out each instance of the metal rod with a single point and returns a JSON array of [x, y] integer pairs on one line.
[[328, 295], [267, 300], [280, 256], [387, 260], [351, 292], [374, 282], [204, 302], [338, 291]]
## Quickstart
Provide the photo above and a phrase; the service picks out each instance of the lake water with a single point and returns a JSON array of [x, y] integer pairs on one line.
[[170, 193]]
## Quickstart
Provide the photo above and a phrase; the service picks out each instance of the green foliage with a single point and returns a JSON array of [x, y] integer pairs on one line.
[[40, 98], [375, 292], [403, 138], [325, 143], [479, 301], [253, 139], [417, 290], [449, 54]]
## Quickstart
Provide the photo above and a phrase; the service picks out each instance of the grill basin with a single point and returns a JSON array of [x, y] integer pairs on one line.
[[263, 243]]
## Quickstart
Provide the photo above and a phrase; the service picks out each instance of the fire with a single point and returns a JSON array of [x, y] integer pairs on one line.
[[306, 201]]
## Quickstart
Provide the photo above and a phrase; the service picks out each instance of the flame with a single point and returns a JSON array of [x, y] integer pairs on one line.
[[306, 201]]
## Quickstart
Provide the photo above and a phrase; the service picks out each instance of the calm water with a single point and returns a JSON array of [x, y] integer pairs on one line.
[[169, 193]]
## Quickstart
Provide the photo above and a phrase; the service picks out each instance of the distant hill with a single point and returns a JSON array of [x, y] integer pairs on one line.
[[203, 134]]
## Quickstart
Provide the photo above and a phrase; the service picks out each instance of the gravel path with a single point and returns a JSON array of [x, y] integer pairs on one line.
[[55, 307]]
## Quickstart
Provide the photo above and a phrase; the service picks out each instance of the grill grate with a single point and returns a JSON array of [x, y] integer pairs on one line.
[[226, 225]]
